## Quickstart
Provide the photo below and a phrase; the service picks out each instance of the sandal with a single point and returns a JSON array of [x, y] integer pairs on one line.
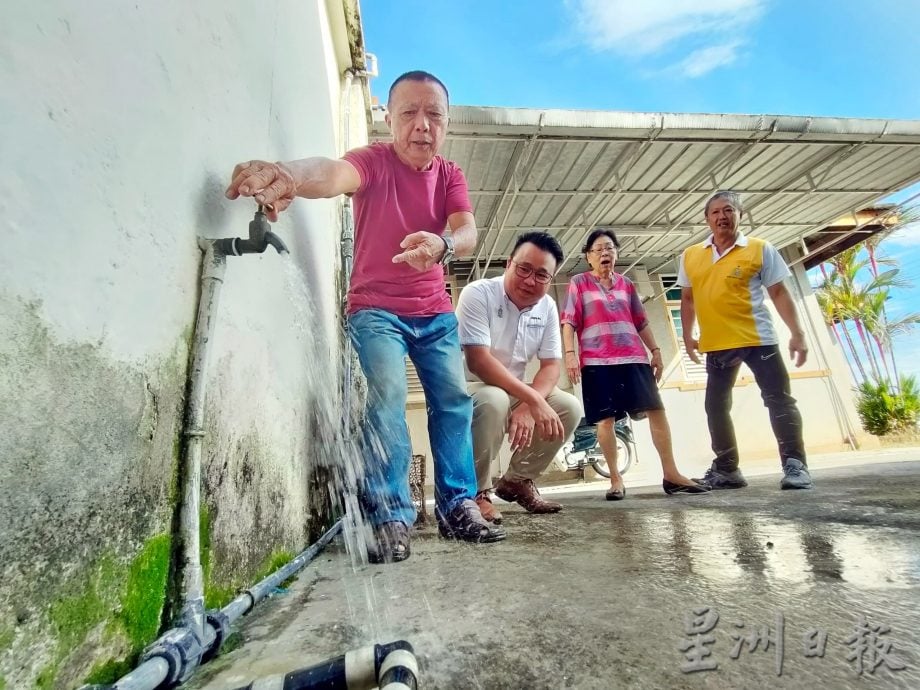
[[615, 494], [670, 488], [391, 543]]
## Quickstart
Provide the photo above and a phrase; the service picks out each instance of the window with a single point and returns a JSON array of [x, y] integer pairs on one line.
[[693, 372], [669, 285]]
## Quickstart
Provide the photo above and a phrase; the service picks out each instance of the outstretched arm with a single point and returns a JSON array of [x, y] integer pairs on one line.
[[275, 185]]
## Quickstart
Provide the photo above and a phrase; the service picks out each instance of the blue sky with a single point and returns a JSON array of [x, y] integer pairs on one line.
[[847, 58]]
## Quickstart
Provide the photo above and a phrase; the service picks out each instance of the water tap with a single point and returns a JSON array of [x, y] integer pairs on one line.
[[260, 237]]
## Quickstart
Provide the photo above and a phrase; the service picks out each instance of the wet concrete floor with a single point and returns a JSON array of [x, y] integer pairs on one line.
[[608, 595]]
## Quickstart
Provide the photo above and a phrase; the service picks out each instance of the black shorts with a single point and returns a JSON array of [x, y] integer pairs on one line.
[[617, 390]]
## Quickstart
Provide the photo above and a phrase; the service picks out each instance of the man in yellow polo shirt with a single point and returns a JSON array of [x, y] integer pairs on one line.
[[723, 281]]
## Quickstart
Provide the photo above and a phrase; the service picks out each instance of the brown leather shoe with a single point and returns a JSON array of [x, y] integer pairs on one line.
[[489, 511], [524, 493]]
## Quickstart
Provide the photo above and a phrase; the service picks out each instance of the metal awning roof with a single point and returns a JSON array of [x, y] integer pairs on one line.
[[648, 175]]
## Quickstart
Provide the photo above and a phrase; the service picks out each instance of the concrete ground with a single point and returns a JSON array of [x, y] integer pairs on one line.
[[607, 595]]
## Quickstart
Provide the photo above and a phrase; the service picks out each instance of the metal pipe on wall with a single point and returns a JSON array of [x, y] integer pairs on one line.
[[212, 277]]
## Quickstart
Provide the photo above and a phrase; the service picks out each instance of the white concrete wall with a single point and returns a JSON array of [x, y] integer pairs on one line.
[[121, 125]]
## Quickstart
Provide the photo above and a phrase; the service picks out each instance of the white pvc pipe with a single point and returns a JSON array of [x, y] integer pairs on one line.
[[150, 674], [212, 278]]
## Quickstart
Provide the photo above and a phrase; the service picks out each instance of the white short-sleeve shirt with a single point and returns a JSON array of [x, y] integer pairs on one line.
[[488, 318]]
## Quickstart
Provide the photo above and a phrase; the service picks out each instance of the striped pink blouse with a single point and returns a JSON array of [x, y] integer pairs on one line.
[[607, 321]]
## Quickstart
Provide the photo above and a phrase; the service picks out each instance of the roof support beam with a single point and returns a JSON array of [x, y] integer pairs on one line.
[[723, 164], [831, 159], [631, 156], [783, 138], [872, 221], [525, 153]]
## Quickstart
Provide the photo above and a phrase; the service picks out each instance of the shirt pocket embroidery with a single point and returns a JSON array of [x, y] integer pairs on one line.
[[742, 272]]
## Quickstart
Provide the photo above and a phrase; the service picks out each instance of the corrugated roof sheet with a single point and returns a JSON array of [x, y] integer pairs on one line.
[[648, 175]]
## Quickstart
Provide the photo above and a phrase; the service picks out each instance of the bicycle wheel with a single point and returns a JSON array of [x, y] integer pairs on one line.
[[598, 461], [624, 457], [624, 454]]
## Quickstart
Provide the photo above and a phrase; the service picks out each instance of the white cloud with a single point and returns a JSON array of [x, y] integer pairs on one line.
[[713, 29], [699, 62]]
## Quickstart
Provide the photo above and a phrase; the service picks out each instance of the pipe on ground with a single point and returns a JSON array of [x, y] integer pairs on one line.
[[178, 653], [244, 603], [390, 666]]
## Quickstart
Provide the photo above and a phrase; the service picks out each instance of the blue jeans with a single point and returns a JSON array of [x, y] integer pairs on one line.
[[382, 340]]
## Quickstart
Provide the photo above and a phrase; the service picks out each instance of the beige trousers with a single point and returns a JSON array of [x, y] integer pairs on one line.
[[491, 408]]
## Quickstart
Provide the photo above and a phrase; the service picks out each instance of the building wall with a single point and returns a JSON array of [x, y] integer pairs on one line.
[[121, 125]]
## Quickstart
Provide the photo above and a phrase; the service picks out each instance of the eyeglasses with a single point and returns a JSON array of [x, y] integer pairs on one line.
[[525, 271], [608, 248]]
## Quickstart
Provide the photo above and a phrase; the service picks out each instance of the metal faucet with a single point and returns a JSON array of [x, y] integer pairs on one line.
[[260, 237]]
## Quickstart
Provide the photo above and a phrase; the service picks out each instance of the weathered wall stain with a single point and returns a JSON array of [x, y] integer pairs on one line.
[[98, 290], [88, 453]]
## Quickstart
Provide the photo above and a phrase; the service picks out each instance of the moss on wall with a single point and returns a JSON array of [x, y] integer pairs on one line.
[[145, 591], [108, 672], [81, 497], [119, 602], [218, 593], [74, 615], [108, 475]]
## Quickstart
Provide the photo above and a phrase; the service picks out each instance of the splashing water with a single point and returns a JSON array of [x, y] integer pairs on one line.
[[336, 456]]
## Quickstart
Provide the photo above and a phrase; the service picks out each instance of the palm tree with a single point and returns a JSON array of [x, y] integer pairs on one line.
[[905, 216], [843, 297], [843, 290], [835, 307]]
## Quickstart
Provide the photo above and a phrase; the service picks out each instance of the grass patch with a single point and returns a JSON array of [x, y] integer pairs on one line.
[[217, 596]]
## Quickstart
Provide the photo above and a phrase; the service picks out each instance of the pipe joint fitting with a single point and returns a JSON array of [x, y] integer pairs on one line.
[[219, 621], [181, 649]]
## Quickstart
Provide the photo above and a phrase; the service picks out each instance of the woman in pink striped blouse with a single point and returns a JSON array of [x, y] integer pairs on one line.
[[614, 341]]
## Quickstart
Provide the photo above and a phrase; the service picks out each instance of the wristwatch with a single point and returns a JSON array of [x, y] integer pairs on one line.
[[448, 255]]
